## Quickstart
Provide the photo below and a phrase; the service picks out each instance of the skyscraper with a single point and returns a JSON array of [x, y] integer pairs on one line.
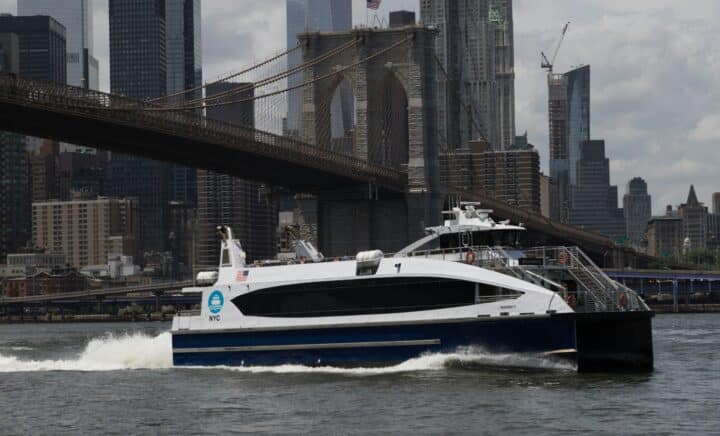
[[594, 201], [137, 48], [694, 217], [14, 193], [713, 231], [82, 67], [9, 53], [716, 202], [42, 49], [138, 70], [77, 17], [184, 71], [500, 14], [34, 48], [228, 200], [475, 47], [183, 46], [321, 16], [637, 208], [569, 127]]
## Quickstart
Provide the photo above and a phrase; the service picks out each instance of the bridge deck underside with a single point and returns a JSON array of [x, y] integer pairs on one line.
[[238, 151]]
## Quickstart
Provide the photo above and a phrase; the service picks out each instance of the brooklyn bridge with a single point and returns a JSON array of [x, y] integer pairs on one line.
[[388, 175]]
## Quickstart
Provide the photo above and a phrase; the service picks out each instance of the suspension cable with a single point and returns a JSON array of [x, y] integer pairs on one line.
[[290, 88], [257, 97], [226, 78], [274, 78]]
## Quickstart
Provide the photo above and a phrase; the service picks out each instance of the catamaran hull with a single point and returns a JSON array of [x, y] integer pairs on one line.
[[595, 342], [373, 345]]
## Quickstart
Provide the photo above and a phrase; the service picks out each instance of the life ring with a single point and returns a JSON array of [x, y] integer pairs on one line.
[[563, 258], [470, 257], [570, 299], [623, 300]]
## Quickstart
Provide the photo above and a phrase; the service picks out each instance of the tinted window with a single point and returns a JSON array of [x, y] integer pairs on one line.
[[366, 296], [506, 238]]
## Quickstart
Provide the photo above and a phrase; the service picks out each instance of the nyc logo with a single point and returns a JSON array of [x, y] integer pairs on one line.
[[216, 302]]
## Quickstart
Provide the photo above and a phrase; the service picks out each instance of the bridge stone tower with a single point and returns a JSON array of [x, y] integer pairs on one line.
[[392, 76]]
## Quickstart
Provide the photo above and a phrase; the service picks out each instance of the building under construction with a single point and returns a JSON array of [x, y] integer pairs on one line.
[[569, 126]]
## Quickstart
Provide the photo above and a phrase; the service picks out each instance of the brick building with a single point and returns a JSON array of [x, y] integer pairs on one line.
[[44, 283]]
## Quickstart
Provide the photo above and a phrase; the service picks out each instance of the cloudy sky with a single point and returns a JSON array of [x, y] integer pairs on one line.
[[655, 74]]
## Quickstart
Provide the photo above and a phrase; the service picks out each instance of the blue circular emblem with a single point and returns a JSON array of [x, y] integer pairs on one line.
[[216, 301]]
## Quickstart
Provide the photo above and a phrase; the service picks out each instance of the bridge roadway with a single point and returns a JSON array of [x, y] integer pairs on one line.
[[120, 124], [96, 293]]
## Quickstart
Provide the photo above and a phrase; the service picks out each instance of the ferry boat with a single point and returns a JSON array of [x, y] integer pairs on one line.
[[463, 285]]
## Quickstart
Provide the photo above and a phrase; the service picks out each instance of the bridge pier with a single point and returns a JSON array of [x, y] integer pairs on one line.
[[99, 307], [346, 226], [157, 295]]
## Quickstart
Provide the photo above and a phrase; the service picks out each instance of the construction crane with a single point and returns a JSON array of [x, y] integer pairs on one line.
[[548, 64]]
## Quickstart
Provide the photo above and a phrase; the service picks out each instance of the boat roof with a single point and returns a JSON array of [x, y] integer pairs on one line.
[[467, 217], [464, 217]]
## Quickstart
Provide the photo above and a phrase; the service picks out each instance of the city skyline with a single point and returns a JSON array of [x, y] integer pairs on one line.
[[634, 103]]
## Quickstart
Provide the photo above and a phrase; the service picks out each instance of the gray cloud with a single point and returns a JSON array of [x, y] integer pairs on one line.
[[655, 67], [654, 97]]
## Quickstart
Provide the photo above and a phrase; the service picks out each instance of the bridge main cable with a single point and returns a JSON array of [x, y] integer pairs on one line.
[[281, 91], [272, 79], [226, 78]]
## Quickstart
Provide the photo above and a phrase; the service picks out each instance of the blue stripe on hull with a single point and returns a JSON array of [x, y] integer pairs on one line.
[[522, 335]]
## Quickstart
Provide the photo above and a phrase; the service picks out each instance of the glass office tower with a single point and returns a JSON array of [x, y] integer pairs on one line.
[[183, 56], [77, 17]]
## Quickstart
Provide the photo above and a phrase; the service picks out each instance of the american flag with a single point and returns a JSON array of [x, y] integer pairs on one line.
[[373, 4], [242, 276]]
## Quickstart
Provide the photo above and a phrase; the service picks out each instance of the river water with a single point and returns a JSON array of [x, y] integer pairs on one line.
[[118, 379]]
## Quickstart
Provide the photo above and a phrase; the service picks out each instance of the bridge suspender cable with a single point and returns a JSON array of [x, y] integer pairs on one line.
[[156, 108], [226, 78], [271, 79], [302, 85]]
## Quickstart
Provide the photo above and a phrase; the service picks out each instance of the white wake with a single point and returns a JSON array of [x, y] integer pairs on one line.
[[107, 353], [469, 358], [140, 351]]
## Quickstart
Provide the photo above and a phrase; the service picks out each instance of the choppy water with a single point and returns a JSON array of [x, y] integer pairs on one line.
[[118, 379]]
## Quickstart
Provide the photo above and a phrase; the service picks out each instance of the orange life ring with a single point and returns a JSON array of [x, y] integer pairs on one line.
[[623, 300], [563, 258], [470, 257]]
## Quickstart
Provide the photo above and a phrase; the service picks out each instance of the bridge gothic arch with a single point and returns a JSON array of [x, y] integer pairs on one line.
[[339, 106], [391, 74]]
